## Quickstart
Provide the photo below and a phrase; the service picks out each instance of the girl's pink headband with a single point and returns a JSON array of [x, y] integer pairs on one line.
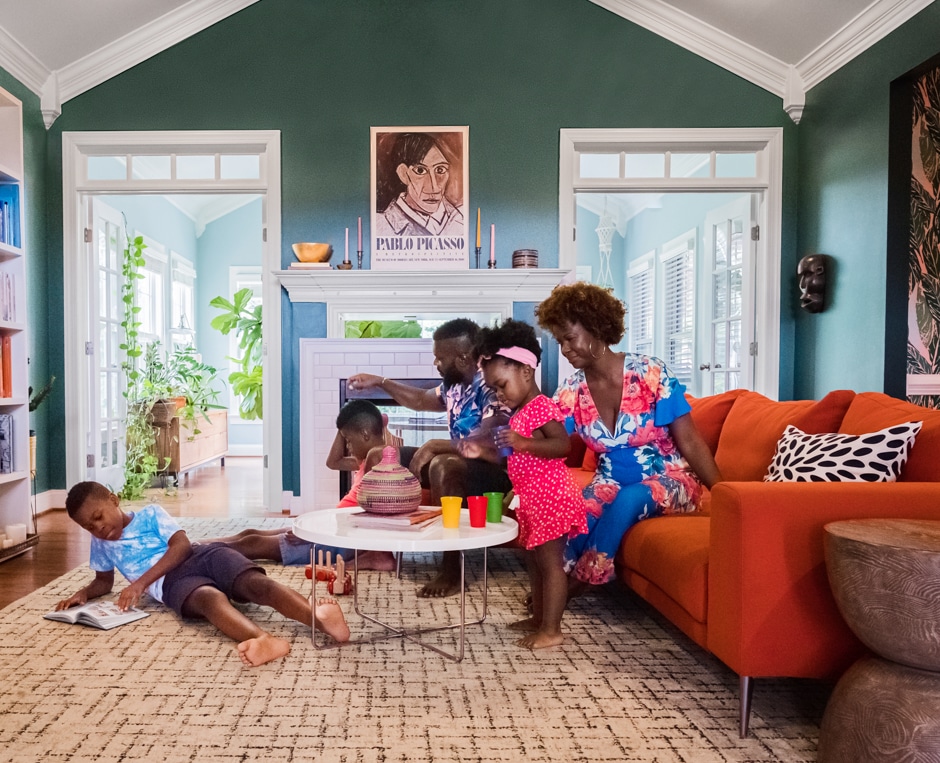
[[519, 354]]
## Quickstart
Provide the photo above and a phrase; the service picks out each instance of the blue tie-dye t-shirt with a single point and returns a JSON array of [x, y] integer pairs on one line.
[[468, 405], [142, 544]]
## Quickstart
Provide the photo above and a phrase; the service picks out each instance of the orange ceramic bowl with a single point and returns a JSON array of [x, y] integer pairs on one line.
[[310, 252]]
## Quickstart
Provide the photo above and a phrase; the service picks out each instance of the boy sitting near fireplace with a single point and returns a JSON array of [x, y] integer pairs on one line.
[[361, 433]]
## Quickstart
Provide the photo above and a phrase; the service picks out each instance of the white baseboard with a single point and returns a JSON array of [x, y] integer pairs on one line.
[[49, 500]]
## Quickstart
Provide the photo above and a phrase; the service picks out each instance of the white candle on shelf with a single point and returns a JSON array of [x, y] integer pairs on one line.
[[493, 243]]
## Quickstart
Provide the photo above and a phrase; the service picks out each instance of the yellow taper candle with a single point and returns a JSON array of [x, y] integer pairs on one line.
[[478, 227]]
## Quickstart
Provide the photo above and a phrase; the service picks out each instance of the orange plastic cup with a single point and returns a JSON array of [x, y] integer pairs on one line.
[[450, 511], [477, 505]]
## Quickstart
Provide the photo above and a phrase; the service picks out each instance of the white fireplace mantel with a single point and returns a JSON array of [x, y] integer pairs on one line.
[[453, 291]]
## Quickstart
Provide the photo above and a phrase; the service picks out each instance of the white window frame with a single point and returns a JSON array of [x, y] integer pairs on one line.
[[680, 246], [767, 143]]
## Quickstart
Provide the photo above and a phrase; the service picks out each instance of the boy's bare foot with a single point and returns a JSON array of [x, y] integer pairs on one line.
[[529, 624], [384, 561], [330, 619], [264, 648], [540, 640]]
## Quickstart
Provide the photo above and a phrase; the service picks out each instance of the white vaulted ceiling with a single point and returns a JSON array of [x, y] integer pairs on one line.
[[61, 48]]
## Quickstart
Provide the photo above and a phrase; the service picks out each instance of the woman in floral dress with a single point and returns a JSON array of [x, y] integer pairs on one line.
[[632, 412]]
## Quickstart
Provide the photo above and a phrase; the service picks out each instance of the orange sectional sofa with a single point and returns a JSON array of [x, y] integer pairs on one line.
[[745, 578]]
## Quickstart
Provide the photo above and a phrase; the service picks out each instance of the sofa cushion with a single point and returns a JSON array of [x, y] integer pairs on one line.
[[672, 553], [709, 414], [832, 457], [875, 410], [755, 423]]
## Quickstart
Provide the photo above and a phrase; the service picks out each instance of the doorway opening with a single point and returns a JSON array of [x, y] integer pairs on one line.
[[220, 193]]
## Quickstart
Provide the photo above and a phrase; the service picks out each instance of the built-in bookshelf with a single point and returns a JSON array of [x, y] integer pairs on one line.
[[14, 381]]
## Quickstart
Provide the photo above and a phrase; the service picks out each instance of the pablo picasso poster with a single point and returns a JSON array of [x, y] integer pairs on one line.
[[420, 185]]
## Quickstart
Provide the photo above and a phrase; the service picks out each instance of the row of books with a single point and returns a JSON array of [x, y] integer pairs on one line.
[[8, 223], [8, 297]]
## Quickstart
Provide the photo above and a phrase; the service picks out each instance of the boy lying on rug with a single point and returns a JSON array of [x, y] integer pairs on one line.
[[154, 554]]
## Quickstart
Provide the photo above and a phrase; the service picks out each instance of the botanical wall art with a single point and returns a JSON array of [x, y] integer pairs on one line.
[[923, 349]]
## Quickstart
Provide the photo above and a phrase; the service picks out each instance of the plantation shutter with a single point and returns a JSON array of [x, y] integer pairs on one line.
[[679, 309], [641, 289]]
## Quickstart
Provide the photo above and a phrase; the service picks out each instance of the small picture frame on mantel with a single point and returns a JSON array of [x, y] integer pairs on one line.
[[419, 190]]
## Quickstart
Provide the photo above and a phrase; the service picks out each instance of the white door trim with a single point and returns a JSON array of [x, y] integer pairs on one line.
[[766, 141], [76, 147]]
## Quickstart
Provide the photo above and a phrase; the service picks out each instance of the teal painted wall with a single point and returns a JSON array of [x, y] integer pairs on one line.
[[323, 73], [843, 171]]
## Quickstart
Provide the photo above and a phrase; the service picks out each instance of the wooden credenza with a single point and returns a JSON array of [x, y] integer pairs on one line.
[[185, 451]]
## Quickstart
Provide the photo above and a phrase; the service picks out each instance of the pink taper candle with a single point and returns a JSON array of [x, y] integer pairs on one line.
[[359, 248], [493, 243], [346, 257]]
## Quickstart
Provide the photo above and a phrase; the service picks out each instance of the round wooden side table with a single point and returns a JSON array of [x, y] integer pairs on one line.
[[885, 576]]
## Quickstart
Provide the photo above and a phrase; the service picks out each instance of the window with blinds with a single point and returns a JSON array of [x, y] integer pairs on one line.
[[641, 285], [678, 267]]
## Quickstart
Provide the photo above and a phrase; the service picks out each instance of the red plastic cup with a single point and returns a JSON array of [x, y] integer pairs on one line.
[[477, 505]]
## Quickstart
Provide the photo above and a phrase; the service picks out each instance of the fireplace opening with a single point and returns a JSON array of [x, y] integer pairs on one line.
[[413, 427]]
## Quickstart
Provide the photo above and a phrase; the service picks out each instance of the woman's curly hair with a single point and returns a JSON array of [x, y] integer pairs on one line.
[[509, 333], [595, 308]]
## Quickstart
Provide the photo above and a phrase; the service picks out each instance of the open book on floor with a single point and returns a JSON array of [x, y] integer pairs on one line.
[[98, 614], [413, 520]]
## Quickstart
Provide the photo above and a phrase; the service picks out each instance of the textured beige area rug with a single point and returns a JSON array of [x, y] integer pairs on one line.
[[626, 685]]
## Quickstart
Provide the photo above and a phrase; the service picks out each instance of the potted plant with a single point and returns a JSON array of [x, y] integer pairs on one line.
[[239, 316]]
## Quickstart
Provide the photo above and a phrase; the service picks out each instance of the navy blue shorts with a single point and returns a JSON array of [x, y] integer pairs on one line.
[[212, 564]]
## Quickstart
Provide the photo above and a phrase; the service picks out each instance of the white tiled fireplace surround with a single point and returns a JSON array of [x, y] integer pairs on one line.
[[323, 362]]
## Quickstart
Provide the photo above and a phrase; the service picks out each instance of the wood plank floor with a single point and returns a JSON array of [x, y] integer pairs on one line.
[[234, 490]]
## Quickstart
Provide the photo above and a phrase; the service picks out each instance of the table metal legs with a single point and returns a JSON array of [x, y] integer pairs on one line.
[[411, 634]]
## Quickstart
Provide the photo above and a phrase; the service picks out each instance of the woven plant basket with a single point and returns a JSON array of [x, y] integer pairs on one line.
[[389, 488]]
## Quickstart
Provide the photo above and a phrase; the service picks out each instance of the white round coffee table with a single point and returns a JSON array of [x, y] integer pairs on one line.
[[332, 527]]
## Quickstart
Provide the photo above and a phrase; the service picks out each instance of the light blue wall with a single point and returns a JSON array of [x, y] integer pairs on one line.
[[232, 240], [159, 220]]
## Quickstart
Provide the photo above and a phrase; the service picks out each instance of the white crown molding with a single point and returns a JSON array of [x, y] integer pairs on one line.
[[141, 44], [22, 64], [704, 40], [871, 25]]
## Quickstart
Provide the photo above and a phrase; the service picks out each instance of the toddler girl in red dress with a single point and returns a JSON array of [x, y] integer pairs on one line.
[[551, 507]]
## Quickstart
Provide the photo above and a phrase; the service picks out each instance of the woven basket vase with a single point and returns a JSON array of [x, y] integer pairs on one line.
[[389, 488]]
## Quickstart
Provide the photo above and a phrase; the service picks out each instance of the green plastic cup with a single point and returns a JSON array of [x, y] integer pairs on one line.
[[494, 507]]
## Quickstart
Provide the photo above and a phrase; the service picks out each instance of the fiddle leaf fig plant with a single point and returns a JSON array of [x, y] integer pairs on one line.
[[240, 317]]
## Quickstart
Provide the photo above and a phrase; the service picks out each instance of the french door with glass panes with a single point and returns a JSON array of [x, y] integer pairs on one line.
[[726, 360], [106, 449]]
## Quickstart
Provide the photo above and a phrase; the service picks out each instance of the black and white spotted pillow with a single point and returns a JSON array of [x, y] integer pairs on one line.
[[875, 457]]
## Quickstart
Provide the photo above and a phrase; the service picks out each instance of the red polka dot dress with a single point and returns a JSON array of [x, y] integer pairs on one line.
[[550, 501]]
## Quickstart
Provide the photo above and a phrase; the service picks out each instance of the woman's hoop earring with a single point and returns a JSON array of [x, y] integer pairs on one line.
[[591, 350]]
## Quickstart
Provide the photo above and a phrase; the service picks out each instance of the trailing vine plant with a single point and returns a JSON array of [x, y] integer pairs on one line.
[[140, 462]]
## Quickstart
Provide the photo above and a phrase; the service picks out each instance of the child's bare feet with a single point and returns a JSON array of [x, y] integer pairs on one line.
[[529, 624], [540, 640], [264, 648], [330, 619]]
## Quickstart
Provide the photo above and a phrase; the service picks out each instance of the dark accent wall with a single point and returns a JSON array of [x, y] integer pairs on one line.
[[859, 341]]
